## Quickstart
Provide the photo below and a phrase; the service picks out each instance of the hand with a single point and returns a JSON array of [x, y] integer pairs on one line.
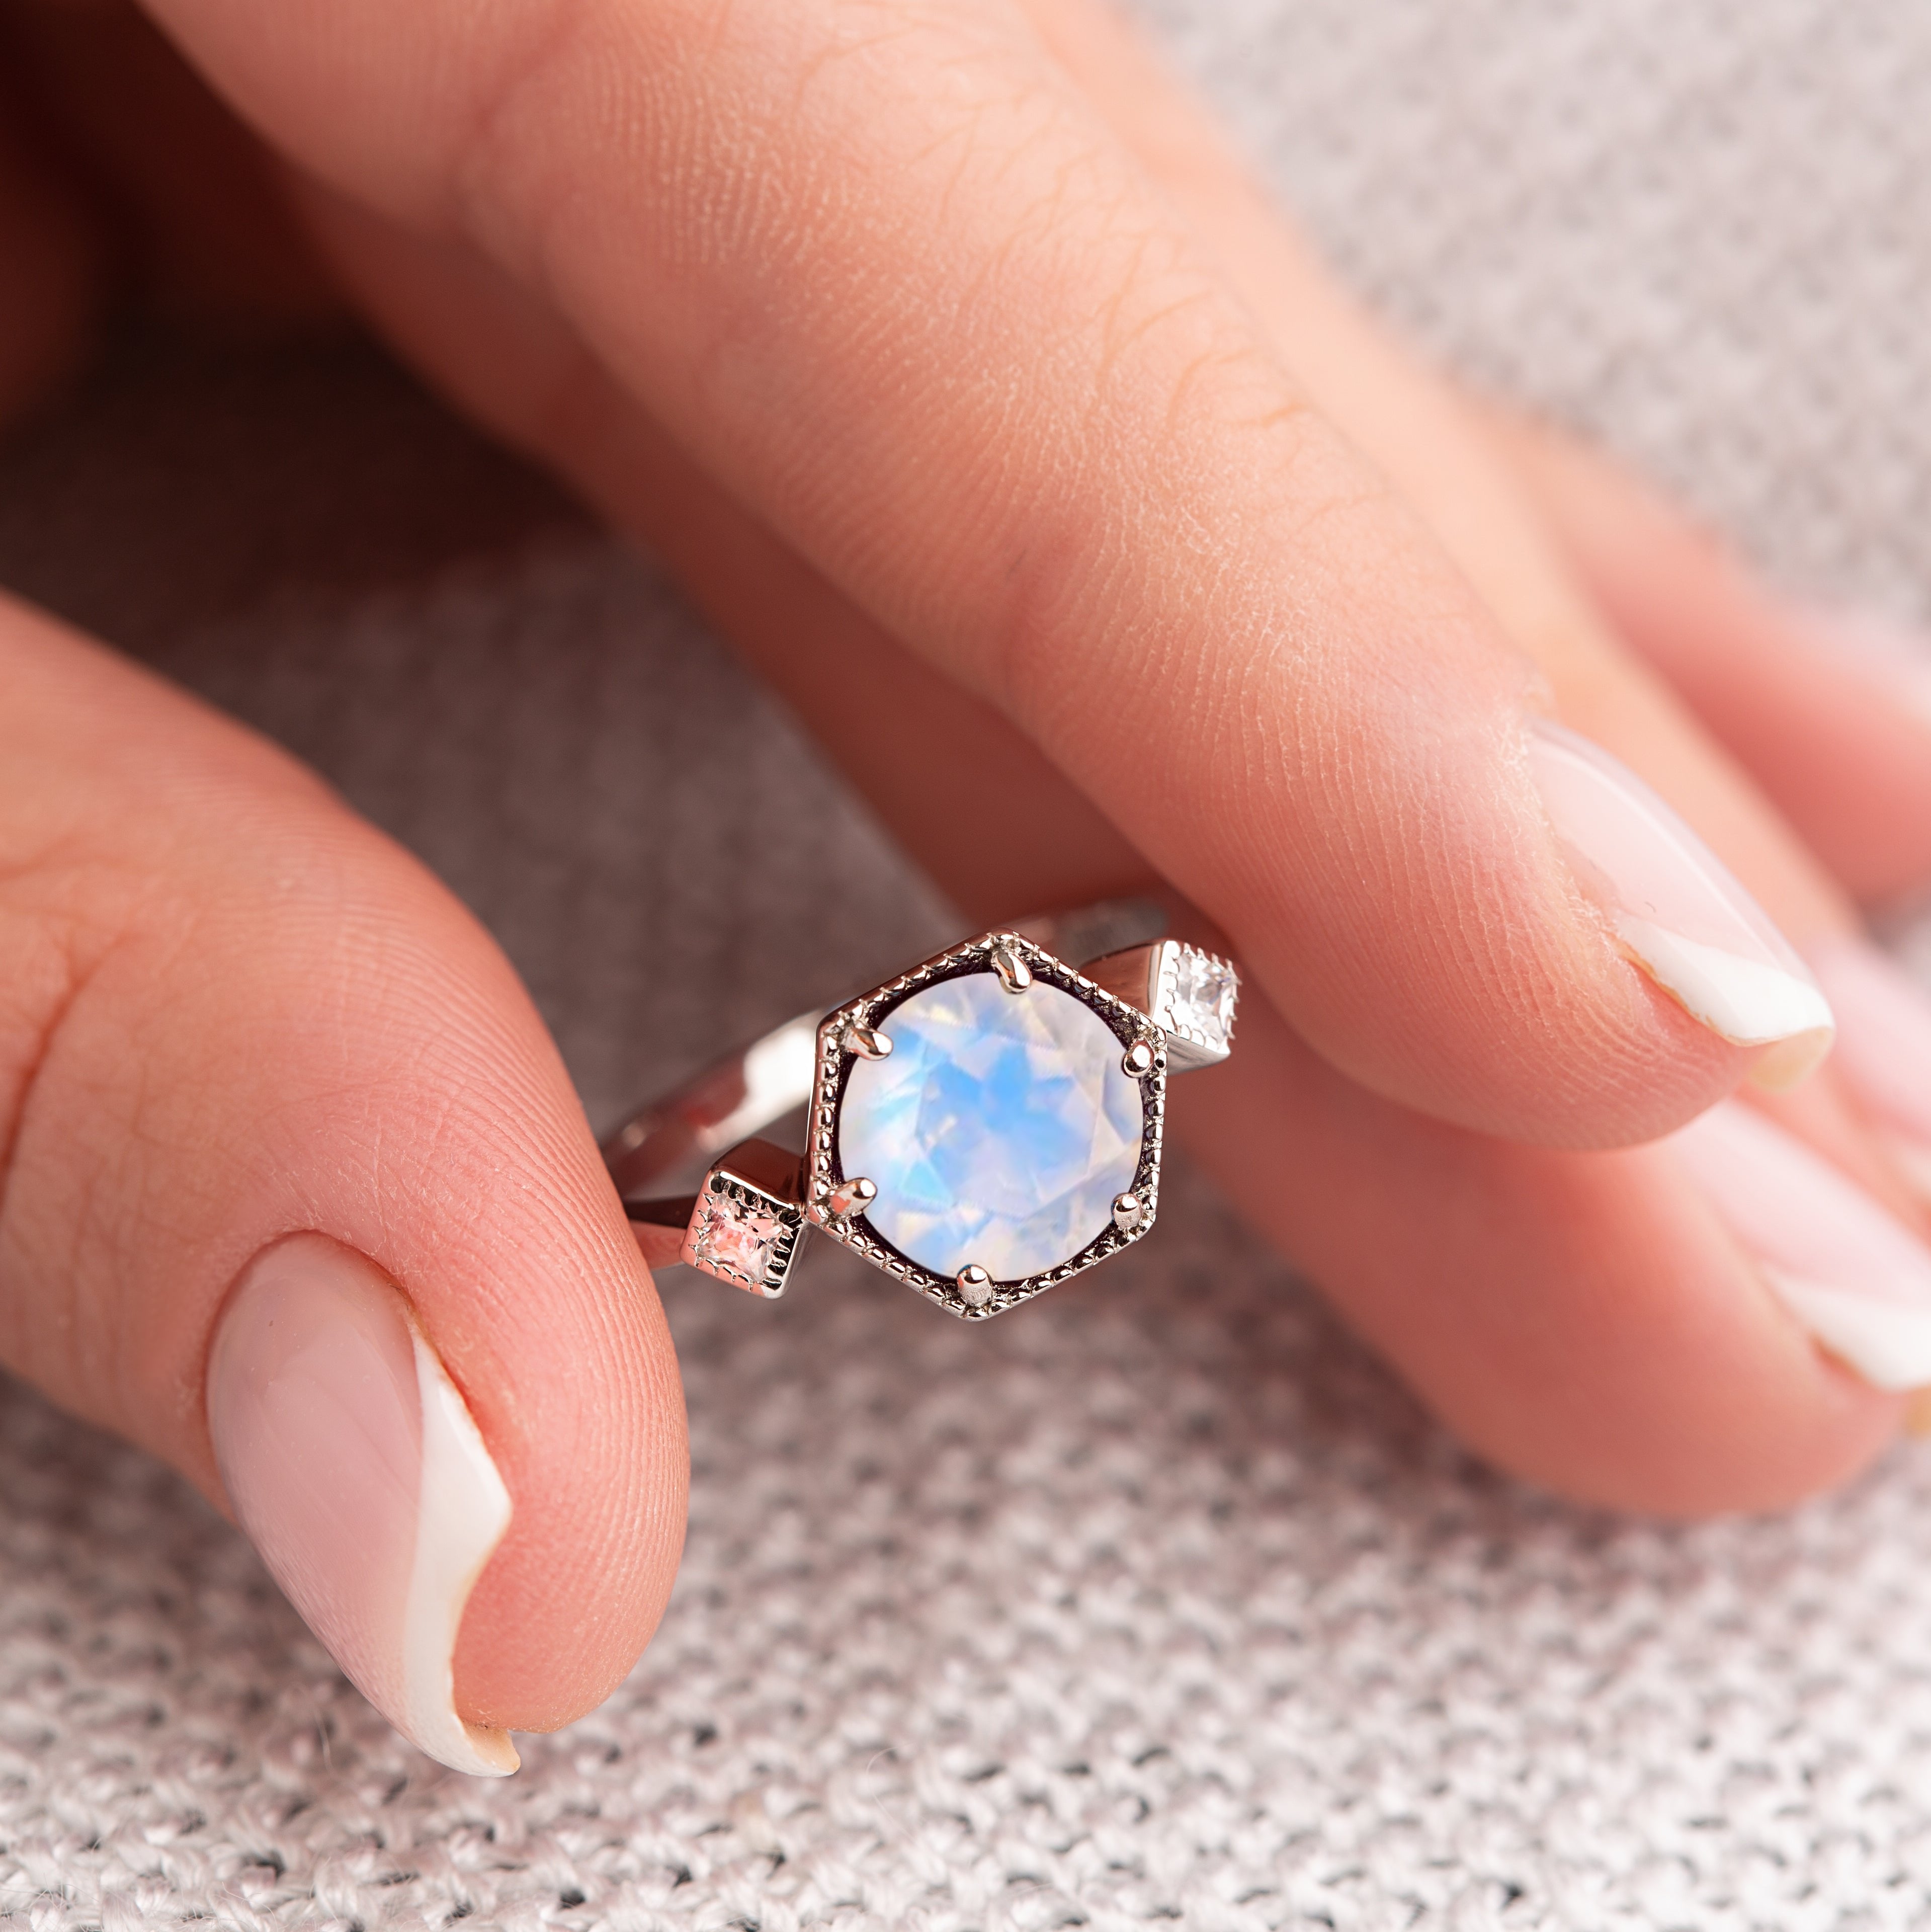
[[973, 391]]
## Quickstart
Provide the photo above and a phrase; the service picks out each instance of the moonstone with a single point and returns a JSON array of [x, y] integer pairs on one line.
[[999, 1131]]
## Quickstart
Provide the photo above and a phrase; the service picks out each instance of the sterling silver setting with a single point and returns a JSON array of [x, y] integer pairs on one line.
[[1170, 1005], [1019, 964]]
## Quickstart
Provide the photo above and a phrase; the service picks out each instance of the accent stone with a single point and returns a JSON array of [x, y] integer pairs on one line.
[[1204, 990], [734, 1237], [1000, 1131]]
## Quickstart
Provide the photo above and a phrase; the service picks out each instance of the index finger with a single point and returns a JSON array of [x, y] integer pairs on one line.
[[890, 279]]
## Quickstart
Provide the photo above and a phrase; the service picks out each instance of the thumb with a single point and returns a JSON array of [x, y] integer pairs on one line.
[[295, 1193]]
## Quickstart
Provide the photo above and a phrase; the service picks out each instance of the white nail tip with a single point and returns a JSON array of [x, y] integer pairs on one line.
[[463, 1511], [1748, 1002], [1850, 1271], [356, 1468], [1675, 909], [1888, 1345]]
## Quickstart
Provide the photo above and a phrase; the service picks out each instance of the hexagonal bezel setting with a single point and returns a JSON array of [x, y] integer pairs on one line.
[[823, 1173]]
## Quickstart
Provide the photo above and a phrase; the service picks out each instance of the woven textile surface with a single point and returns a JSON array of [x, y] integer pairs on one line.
[[1157, 1602]]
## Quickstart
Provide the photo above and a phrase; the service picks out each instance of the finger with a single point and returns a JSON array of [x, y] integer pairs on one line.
[[1591, 1322], [1869, 1113], [1788, 1421], [1839, 737], [890, 281], [1599, 1323], [252, 1058], [499, 354], [1422, 434]]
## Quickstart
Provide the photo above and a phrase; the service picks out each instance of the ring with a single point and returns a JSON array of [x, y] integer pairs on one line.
[[983, 1127]]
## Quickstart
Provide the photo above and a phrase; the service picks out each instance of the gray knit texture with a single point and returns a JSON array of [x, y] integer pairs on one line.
[[1157, 1602]]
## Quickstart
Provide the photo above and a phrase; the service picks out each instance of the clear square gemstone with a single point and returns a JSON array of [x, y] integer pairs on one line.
[[739, 1238], [1201, 1003]]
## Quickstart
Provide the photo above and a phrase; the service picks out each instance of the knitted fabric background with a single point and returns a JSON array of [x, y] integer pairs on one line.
[[1157, 1602]]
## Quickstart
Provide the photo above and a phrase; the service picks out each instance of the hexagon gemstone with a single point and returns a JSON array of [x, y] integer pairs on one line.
[[999, 1131]]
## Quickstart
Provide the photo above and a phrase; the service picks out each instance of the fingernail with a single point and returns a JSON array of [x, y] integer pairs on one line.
[[1895, 659], [358, 1472], [1884, 1048], [1679, 914], [1856, 1277]]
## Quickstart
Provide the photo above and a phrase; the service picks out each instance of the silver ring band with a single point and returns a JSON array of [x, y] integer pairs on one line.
[[981, 1127]]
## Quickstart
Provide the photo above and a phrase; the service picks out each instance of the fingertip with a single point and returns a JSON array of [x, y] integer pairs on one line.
[[1677, 911], [1829, 712], [1634, 1354], [270, 1046], [1586, 1320], [359, 1474], [479, 1559], [570, 1600]]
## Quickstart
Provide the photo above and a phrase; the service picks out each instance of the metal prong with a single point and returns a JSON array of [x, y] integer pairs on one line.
[[867, 1042], [1188, 993], [1137, 1060], [850, 1197], [974, 1286], [1015, 975], [1128, 1211]]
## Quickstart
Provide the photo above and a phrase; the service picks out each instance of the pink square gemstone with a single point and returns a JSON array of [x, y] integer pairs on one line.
[[736, 1236]]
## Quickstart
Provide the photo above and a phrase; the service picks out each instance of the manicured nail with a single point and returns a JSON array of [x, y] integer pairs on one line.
[[1679, 914], [1884, 1048], [1852, 1274], [358, 1472]]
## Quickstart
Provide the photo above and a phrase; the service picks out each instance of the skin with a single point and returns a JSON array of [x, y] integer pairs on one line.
[[954, 365]]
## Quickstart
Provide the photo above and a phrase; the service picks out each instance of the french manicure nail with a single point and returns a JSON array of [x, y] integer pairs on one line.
[[358, 1472], [1856, 1277], [1884, 1048], [1679, 914]]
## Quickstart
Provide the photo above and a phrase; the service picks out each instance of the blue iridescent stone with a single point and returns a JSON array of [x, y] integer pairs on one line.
[[999, 1130]]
